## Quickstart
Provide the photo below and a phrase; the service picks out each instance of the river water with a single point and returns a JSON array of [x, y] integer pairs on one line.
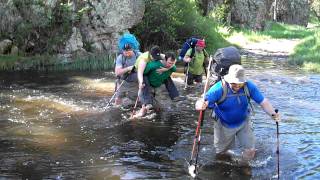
[[56, 126]]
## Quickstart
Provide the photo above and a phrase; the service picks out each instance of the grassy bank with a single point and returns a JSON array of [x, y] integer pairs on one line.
[[52, 63], [306, 54]]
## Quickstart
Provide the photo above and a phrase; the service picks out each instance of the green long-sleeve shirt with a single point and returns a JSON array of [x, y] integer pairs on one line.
[[156, 79]]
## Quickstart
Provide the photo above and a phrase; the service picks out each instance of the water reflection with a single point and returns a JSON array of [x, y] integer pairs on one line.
[[56, 127]]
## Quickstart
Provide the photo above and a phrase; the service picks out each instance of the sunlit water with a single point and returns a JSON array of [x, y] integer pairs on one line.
[[57, 127]]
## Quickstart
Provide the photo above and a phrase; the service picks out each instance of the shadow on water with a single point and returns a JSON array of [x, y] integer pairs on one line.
[[55, 126]]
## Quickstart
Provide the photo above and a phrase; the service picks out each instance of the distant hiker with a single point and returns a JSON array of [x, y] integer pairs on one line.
[[124, 68], [230, 99], [158, 72], [196, 59]]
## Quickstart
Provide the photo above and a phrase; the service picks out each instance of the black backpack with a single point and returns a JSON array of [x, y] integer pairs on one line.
[[224, 58]]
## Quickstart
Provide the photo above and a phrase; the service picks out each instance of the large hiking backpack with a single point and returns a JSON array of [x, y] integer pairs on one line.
[[190, 43], [225, 57]]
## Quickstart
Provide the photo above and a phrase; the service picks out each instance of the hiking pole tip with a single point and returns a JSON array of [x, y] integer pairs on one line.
[[192, 170]]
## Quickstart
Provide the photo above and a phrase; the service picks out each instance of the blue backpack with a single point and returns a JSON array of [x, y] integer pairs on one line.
[[190, 43]]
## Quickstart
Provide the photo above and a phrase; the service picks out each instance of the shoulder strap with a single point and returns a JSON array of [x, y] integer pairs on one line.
[[123, 61], [192, 52], [246, 90], [224, 93], [136, 53], [247, 93]]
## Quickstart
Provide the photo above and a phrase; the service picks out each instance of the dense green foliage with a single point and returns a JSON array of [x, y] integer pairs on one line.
[[307, 53], [169, 23]]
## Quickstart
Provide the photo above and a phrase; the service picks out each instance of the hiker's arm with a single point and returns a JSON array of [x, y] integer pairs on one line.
[[119, 71], [141, 66], [160, 70], [268, 108], [164, 69], [187, 59]]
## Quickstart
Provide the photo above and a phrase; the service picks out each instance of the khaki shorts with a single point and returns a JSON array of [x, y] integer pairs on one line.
[[128, 89], [224, 138]]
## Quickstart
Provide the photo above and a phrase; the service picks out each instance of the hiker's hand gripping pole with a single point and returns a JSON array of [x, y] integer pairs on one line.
[[135, 105], [193, 169]]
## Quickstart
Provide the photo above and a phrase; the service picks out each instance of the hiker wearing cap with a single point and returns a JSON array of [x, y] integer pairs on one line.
[[124, 71], [196, 62], [232, 114]]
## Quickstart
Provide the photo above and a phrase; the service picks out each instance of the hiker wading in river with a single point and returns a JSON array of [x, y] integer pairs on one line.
[[230, 99]]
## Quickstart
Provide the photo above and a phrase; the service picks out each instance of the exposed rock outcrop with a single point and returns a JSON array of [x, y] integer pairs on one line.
[[58, 27]]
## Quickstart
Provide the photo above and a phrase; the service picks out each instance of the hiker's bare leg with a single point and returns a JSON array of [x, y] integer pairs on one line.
[[141, 112], [248, 154]]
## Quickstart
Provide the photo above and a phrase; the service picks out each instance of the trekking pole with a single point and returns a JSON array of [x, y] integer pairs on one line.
[[114, 95], [186, 78], [118, 88], [135, 105], [278, 148], [193, 169]]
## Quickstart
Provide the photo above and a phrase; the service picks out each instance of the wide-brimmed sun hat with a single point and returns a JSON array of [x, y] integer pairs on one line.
[[236, 74]]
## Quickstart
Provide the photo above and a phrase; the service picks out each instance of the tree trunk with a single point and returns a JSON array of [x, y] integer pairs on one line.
[[275, 11], [203, 6]]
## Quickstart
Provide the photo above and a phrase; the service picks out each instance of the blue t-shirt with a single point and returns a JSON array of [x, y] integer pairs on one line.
[[234, 110]]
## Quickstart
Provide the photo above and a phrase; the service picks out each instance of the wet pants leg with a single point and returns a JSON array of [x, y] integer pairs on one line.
[[144, 95], [171, 88]]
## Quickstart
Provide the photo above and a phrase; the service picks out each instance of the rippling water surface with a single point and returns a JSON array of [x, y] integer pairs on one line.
[[56, 126]]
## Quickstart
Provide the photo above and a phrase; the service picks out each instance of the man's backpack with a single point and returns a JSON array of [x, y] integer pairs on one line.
[[224, 58], [190, 43]]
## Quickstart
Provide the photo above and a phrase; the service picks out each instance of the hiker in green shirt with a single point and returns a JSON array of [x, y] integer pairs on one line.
[[196, 61], [155, 78]]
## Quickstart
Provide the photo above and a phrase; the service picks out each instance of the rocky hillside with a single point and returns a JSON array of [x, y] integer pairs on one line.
[[66, 28], [75, 27]]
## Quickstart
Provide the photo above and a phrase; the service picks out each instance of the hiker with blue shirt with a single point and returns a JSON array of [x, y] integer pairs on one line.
[[232, 114]]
